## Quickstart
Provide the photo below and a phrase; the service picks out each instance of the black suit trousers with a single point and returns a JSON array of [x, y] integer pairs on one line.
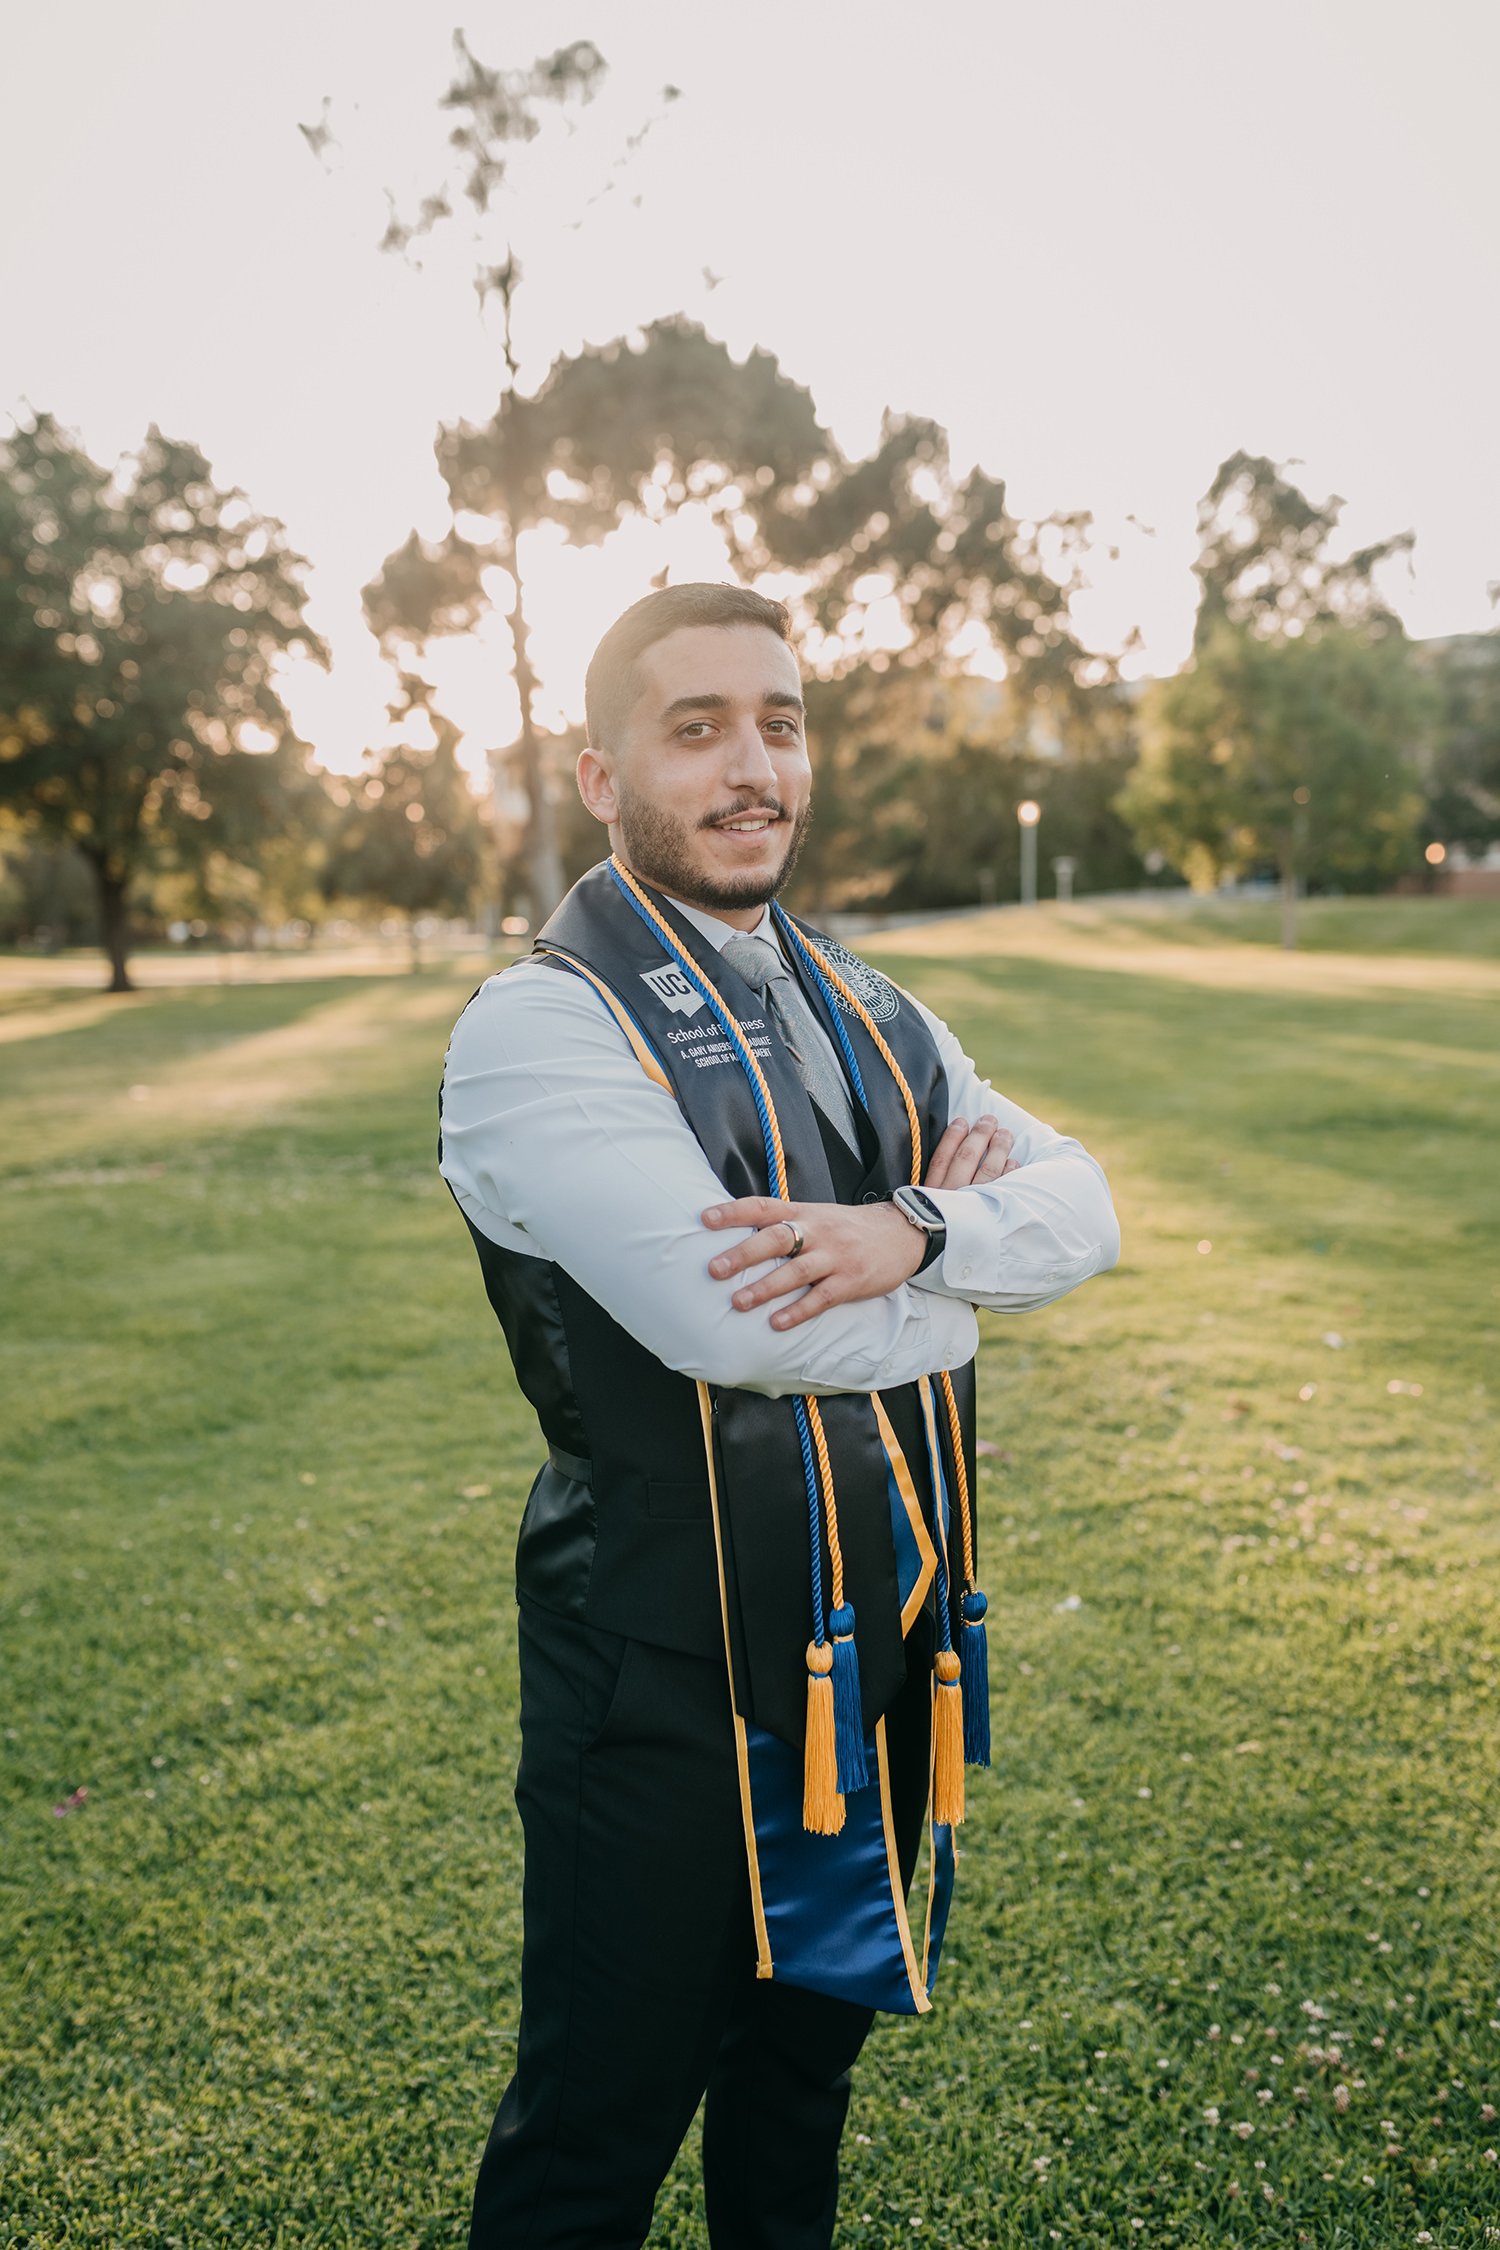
[[638, 1989]]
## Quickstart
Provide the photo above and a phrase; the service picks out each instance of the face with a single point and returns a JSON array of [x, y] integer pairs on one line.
[[707, 791]]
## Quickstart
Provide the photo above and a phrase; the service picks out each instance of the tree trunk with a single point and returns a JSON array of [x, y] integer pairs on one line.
[[1289, 901], [544, 868], [114, 929]]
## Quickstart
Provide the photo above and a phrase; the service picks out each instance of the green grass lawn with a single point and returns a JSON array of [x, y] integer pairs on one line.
[[1324, 925], [1223, 1965]]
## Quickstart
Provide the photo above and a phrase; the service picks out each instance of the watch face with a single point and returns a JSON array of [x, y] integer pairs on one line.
[[921, 1208]]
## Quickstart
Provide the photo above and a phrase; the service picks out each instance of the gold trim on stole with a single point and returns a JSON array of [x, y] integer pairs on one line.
[[763, 1964], [931, 1833], [909, 1501], [919, 1993], [621, 1014]]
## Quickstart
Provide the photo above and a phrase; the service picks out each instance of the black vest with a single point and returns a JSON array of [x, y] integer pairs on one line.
[[618, 1530]]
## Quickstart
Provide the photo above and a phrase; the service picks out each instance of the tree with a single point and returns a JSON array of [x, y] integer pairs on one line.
[[46, 894], [141, 613], [620, 429], [672, 420], [410, 836], [1293, 753], [422, 588], [1263, 561], [1463, 779], [1289, 738]]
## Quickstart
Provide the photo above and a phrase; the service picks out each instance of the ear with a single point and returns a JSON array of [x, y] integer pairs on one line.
[[596, 787]]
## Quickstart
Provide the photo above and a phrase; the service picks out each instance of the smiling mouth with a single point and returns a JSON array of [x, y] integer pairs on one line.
[[748, 824]]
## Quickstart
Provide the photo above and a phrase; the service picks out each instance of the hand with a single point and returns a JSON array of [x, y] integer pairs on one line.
[[852, 1251], [969, 1155]]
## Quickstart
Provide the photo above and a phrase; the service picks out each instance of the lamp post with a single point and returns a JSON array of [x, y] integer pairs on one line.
[[1028, 813]]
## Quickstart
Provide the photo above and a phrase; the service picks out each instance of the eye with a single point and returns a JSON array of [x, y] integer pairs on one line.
[[690, 733]]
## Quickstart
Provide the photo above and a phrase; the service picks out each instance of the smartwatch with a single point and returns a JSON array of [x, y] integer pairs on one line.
[[918, 1209]]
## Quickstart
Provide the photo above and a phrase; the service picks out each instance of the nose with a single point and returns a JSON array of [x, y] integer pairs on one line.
[[747, 762]]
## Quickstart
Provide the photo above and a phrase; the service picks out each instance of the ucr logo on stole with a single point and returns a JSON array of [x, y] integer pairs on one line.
[[676, 990]]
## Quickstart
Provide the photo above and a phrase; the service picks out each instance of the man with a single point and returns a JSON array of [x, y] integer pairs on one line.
[[614, 1111]]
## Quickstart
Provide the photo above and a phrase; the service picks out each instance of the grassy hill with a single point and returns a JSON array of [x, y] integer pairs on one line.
[[1222, 1965]]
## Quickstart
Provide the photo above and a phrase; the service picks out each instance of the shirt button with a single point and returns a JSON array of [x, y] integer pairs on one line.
[[966, 1274], [872, 1195]]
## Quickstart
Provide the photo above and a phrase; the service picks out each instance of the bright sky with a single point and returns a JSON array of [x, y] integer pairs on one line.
[[1104, 245]]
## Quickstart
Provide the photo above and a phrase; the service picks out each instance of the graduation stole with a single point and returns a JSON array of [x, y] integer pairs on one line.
[[853, 1864]]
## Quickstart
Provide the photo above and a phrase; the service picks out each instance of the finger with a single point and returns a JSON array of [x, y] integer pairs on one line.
[[818, 1299], [942, 1155], [772, 1241], [791, 1274], [997, 1159], [750, 1211], [972, 1152]]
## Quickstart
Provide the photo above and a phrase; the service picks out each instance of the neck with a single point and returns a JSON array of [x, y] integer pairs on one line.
[[738, 917]]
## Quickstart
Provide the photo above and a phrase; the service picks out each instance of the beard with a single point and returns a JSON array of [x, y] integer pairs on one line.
[[659, 848]]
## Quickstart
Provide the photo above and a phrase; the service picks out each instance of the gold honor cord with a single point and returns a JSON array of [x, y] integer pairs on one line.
[[970, 1680], [858, 1008]]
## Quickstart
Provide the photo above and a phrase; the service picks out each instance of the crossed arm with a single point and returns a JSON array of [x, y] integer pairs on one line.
[[849, 1252], [556, 1145]]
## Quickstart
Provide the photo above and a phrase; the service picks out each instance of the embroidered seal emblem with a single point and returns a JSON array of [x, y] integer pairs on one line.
[[675, 990], [877, 992]]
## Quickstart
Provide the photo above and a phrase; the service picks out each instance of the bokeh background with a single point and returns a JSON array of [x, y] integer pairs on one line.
[[1110, 394]]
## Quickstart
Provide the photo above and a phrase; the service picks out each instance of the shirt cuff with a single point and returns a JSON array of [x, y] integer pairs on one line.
[[970, 1221]]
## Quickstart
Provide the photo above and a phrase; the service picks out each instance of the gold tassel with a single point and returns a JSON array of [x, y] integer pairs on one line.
[[948, 1747], [822, 1806]]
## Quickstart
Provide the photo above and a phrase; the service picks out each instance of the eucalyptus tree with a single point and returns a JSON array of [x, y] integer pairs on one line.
[[647, 427], [425, 589], [1264, 561]]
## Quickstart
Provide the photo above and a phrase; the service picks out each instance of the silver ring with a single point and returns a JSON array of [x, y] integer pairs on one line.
[[799, 1239]]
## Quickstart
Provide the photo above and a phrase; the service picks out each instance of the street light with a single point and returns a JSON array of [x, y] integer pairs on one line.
[[1028, 813]]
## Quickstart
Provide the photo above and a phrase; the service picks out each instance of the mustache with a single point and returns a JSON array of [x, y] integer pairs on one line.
[[771, 806]]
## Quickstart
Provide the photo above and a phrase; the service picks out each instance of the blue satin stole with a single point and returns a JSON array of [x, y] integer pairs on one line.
[[830, 1911]]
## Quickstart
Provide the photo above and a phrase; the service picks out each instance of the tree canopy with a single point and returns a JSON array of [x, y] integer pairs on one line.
[[1291, 737], [410, 832], [1293, 754], [141, 613], [896, 540], [1263, 559], [422, 589]]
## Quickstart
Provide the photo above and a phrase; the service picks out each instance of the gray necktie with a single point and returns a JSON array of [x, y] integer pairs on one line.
[[762, 968]]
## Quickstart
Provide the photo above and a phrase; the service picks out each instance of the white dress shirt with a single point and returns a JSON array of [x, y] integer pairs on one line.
[[556, 1144]]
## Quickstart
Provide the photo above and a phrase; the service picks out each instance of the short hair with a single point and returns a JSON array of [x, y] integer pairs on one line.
[[610, 686]]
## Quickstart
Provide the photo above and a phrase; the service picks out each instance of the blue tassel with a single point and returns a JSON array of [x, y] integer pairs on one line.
[[848, 1718], [974, 1658]]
